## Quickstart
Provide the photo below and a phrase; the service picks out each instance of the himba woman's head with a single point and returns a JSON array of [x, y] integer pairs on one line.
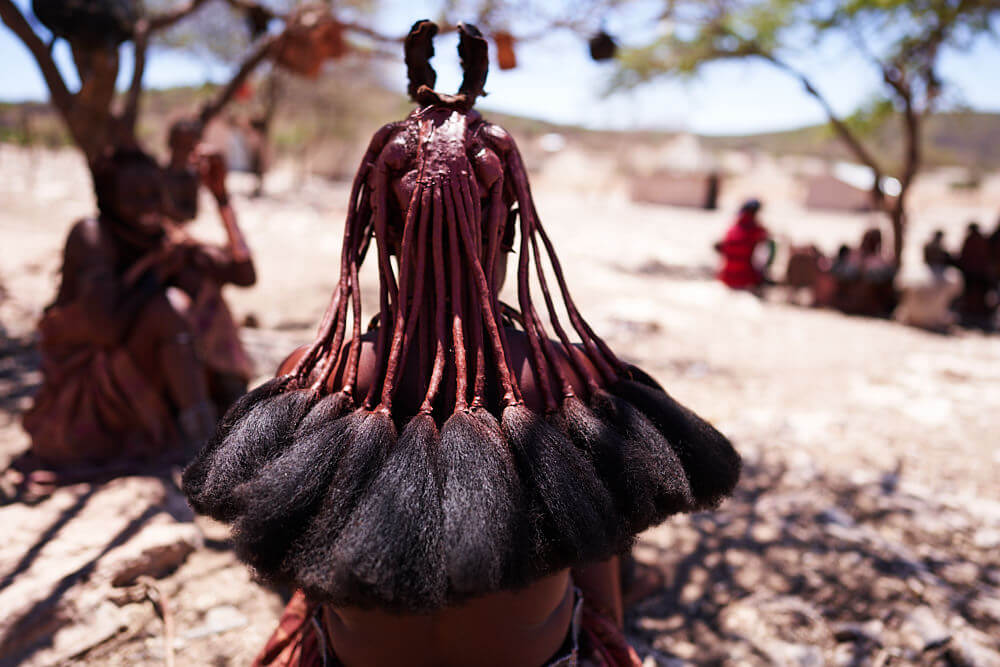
[[128, 184], [871, 241], [183, 139], [412, 491], [751, 206]]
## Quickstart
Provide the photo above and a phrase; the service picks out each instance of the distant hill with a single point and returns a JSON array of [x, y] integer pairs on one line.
[[318, 121], [326, 120], [966, 139]]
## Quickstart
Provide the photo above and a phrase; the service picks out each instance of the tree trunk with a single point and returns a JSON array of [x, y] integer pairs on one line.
[[90, 118], [897, 217]]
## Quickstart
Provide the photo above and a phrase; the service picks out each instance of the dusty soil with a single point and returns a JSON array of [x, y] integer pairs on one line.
[[866, 529]]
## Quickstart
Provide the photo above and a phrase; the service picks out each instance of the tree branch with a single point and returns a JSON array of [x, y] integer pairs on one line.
[[130, 111], [249, 5], [911, 121], [839, 126], [167, 19], [210, 109], [62, 99]]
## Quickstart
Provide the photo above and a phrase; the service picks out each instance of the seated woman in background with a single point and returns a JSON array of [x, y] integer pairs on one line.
[[194, 165], [867, 280], [123, 377]]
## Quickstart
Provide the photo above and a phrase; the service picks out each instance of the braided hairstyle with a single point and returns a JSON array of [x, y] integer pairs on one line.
[[435, 479]]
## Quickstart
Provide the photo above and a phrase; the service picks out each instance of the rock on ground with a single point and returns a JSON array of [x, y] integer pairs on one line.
[[803, 567], [64, 557]]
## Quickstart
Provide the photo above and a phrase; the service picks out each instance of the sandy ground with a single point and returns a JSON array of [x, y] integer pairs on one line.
[[825, 408]]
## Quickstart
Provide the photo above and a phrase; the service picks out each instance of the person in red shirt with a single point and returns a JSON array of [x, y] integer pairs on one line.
[[740, 270]]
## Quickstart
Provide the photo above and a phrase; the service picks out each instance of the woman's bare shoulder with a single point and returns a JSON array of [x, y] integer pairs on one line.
[[520, 362]]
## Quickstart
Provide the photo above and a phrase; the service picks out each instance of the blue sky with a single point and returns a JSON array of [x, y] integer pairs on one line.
[[557, 81]]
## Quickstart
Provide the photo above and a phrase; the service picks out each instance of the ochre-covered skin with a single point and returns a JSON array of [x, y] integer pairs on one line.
[[525, 627], [436, 479]]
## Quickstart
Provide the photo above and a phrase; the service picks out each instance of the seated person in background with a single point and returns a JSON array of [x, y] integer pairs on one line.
[[739, 269], [868, 280], [994, 242], [193, 165], [842, 261], [927, 303], [936, 256], [182, 174], [123, 375], [830, 278], [976, 305], [804, 262]]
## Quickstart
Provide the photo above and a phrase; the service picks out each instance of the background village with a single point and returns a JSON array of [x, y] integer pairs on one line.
[[866, 527]]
